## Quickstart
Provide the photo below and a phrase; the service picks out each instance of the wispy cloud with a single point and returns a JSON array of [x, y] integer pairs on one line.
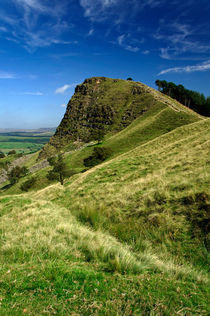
[[188, 69], [100, 10], [3, 29], [120, 15], [179, 39], [63, 105], [38, 93], [91, 31], [64, 55], [97, 10], [123, 40], [65, 88], [145, 52], [7, 75], [27, 27]]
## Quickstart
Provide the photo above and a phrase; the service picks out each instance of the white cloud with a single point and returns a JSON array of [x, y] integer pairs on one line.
[[7, 75], [64, 88], [63, 105], [188, 69]]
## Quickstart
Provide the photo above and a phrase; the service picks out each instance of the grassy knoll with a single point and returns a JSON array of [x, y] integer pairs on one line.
[[127, 237]]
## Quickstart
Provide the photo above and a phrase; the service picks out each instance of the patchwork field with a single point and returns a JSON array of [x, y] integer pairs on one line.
[[23, 142]]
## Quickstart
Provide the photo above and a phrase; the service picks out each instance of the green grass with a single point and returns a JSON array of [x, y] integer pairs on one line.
[[127, 237]]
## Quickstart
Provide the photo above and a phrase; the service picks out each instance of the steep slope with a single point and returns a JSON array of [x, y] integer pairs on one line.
[[111, 105], [129, 236]]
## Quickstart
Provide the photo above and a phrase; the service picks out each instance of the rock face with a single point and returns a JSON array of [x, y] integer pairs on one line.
[[99, 102]]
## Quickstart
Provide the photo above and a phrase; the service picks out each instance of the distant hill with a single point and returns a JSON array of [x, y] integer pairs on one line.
[[17, 130], [112, 105]]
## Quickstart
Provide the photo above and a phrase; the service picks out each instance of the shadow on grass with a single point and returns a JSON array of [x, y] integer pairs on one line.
[[6, 187]]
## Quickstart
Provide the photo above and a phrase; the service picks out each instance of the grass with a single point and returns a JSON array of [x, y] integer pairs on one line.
[[127, 237]]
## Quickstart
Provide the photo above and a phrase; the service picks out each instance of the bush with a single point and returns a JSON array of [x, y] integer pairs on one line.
[[11, 152], [99, 154], [16, 173], [2, 155], [28, 184], [19, 155]]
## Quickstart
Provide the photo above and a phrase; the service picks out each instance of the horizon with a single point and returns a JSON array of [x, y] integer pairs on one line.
[[48, 47]]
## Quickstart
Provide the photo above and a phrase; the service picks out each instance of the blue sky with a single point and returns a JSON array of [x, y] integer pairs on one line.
[[49, 46]]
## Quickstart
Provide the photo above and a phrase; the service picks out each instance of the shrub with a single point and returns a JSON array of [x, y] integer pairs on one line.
[[16, 173], [99, 154], [11, 152], [28, 184], [2, 155], [19, 155]]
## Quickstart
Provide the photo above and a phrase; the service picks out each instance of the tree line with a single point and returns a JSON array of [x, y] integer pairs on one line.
[[192, 99]]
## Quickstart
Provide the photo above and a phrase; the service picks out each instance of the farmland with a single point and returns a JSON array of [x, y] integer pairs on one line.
[[23, 142]]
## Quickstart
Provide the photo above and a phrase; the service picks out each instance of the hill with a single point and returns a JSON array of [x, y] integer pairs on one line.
[[112, 105], [129, 236]]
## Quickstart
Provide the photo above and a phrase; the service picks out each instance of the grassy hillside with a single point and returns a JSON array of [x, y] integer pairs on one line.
[[112, 105], [127, 237]]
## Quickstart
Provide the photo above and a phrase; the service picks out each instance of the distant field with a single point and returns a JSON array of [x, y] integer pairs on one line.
[[23, 142]]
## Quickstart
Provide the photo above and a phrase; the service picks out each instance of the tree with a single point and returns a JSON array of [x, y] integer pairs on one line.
[[98, 133], [60, 170], [16, 173], [158, 84], [129, 79], [192, 99]]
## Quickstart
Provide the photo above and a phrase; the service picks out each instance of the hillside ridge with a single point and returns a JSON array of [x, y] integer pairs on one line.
[[106, 104]]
